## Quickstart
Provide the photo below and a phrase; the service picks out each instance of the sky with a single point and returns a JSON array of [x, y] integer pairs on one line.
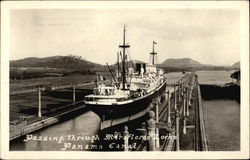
[[209, 36]]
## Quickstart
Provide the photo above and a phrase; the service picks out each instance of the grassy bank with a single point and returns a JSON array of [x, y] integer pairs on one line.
[[27, 104], [50, 81]]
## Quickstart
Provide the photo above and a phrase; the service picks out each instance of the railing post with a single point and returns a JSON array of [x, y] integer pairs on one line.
[[39, 102], [184, 105], [175, 97], [126, 137], [182, 87], [184, 113], [188, 99], [179, 93], [177, 131], [190, 93], [169, 118], [157, 142], [151, 131], [184, 125], [74, 93]]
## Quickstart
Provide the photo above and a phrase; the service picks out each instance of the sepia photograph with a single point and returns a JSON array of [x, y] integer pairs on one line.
[[124, 79]]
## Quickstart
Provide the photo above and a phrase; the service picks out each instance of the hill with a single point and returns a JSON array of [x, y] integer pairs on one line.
[[236, 65], [188, 64], [181, 63], [33, 67], [70, 62]]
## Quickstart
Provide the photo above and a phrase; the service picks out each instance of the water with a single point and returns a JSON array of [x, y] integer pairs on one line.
[[222, 123], [54, 138], [215, 77], [173, 77], [205, 77]]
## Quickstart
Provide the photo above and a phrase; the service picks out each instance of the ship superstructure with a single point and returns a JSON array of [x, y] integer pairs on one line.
[[133, 88]]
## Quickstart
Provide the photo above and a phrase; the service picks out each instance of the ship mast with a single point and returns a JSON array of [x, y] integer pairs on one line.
[[124, 46], [153, 53], [118, 66]]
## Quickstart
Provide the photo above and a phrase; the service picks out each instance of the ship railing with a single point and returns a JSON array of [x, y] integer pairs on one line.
[[97, 99]]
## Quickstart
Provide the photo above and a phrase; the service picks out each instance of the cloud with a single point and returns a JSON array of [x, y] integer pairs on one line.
[[203, 34]]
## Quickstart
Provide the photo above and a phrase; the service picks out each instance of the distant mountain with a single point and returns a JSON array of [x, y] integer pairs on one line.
[[72, 62], [188, 64], [181, 63], [236, 65], [61, 62], [33, 61]]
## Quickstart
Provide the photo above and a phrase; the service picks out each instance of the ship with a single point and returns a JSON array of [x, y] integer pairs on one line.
[[133, 88]]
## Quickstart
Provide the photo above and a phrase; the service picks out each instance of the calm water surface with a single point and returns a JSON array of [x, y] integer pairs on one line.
[[215, 77], [205, 77], [222, 123]]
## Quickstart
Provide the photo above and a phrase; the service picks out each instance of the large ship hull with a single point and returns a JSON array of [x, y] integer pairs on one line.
[[136, 105]]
